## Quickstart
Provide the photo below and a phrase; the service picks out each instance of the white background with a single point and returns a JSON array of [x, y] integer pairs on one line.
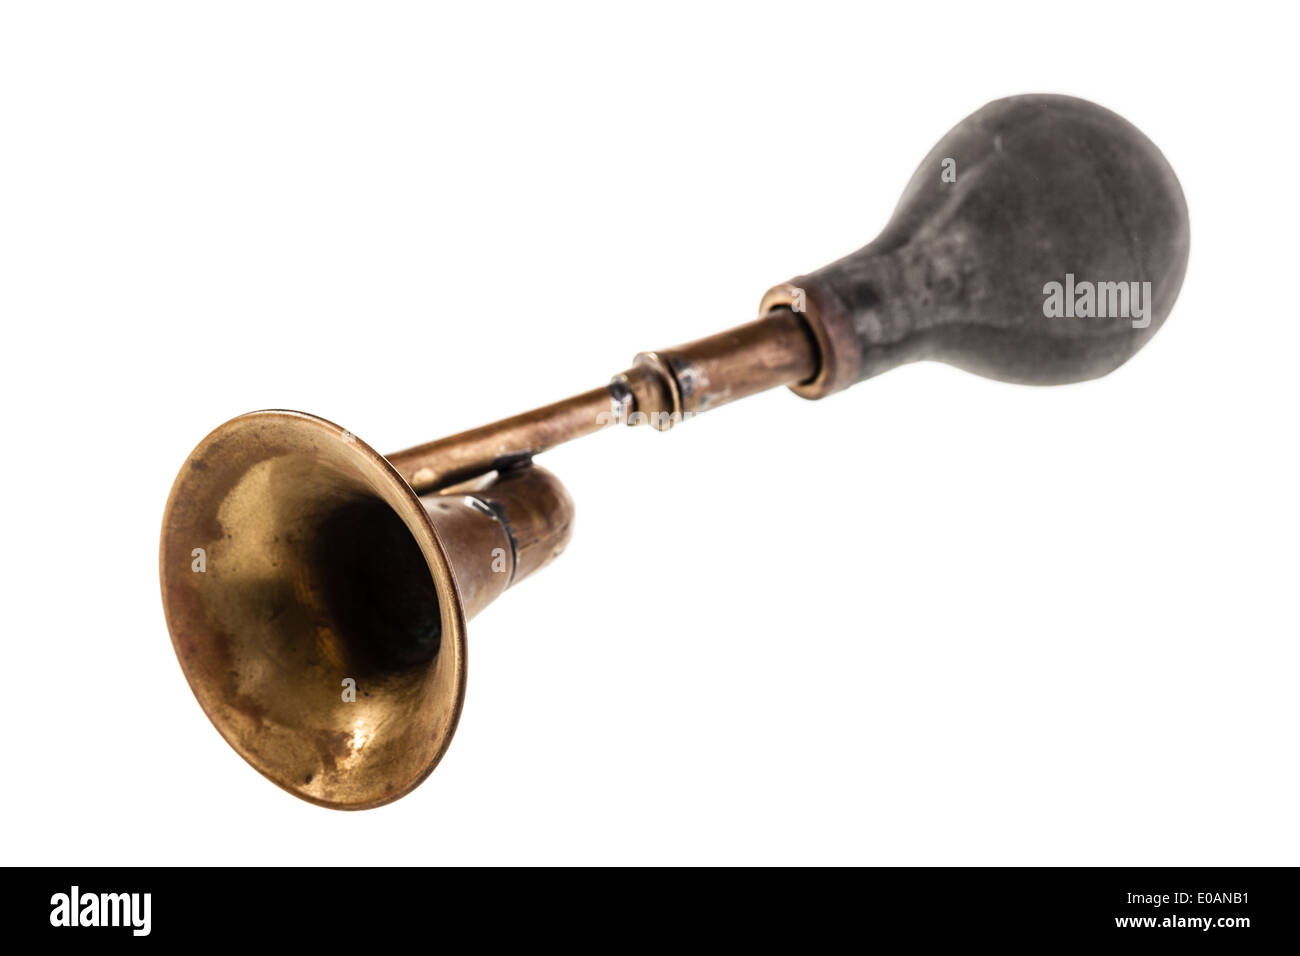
[[934, 619]]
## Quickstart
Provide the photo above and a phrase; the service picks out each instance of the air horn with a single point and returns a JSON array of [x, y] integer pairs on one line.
[[317, 592]]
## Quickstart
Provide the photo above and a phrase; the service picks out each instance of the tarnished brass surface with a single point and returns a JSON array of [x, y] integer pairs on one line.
[[294, 557], [324, 561], [774, 350], [446, 461], [836, 346], [659, 390]]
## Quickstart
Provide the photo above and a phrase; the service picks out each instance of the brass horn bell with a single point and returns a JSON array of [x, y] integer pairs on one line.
[[295, 559], [320, 564]]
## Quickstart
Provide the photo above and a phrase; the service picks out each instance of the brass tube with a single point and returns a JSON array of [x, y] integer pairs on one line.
[[444, 462], [661, 389], [777, 349], [497, 535]]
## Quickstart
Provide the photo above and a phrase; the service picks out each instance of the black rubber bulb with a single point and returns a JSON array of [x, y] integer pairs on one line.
[[1027, 196]]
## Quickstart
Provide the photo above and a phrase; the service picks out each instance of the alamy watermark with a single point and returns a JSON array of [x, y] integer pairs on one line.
[[660, 420], [102, 909], [1098, 300]]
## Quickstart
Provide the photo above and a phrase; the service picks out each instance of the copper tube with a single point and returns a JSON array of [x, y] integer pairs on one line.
[[777, 349], [661, 389], [495, 536], [444, 462]]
